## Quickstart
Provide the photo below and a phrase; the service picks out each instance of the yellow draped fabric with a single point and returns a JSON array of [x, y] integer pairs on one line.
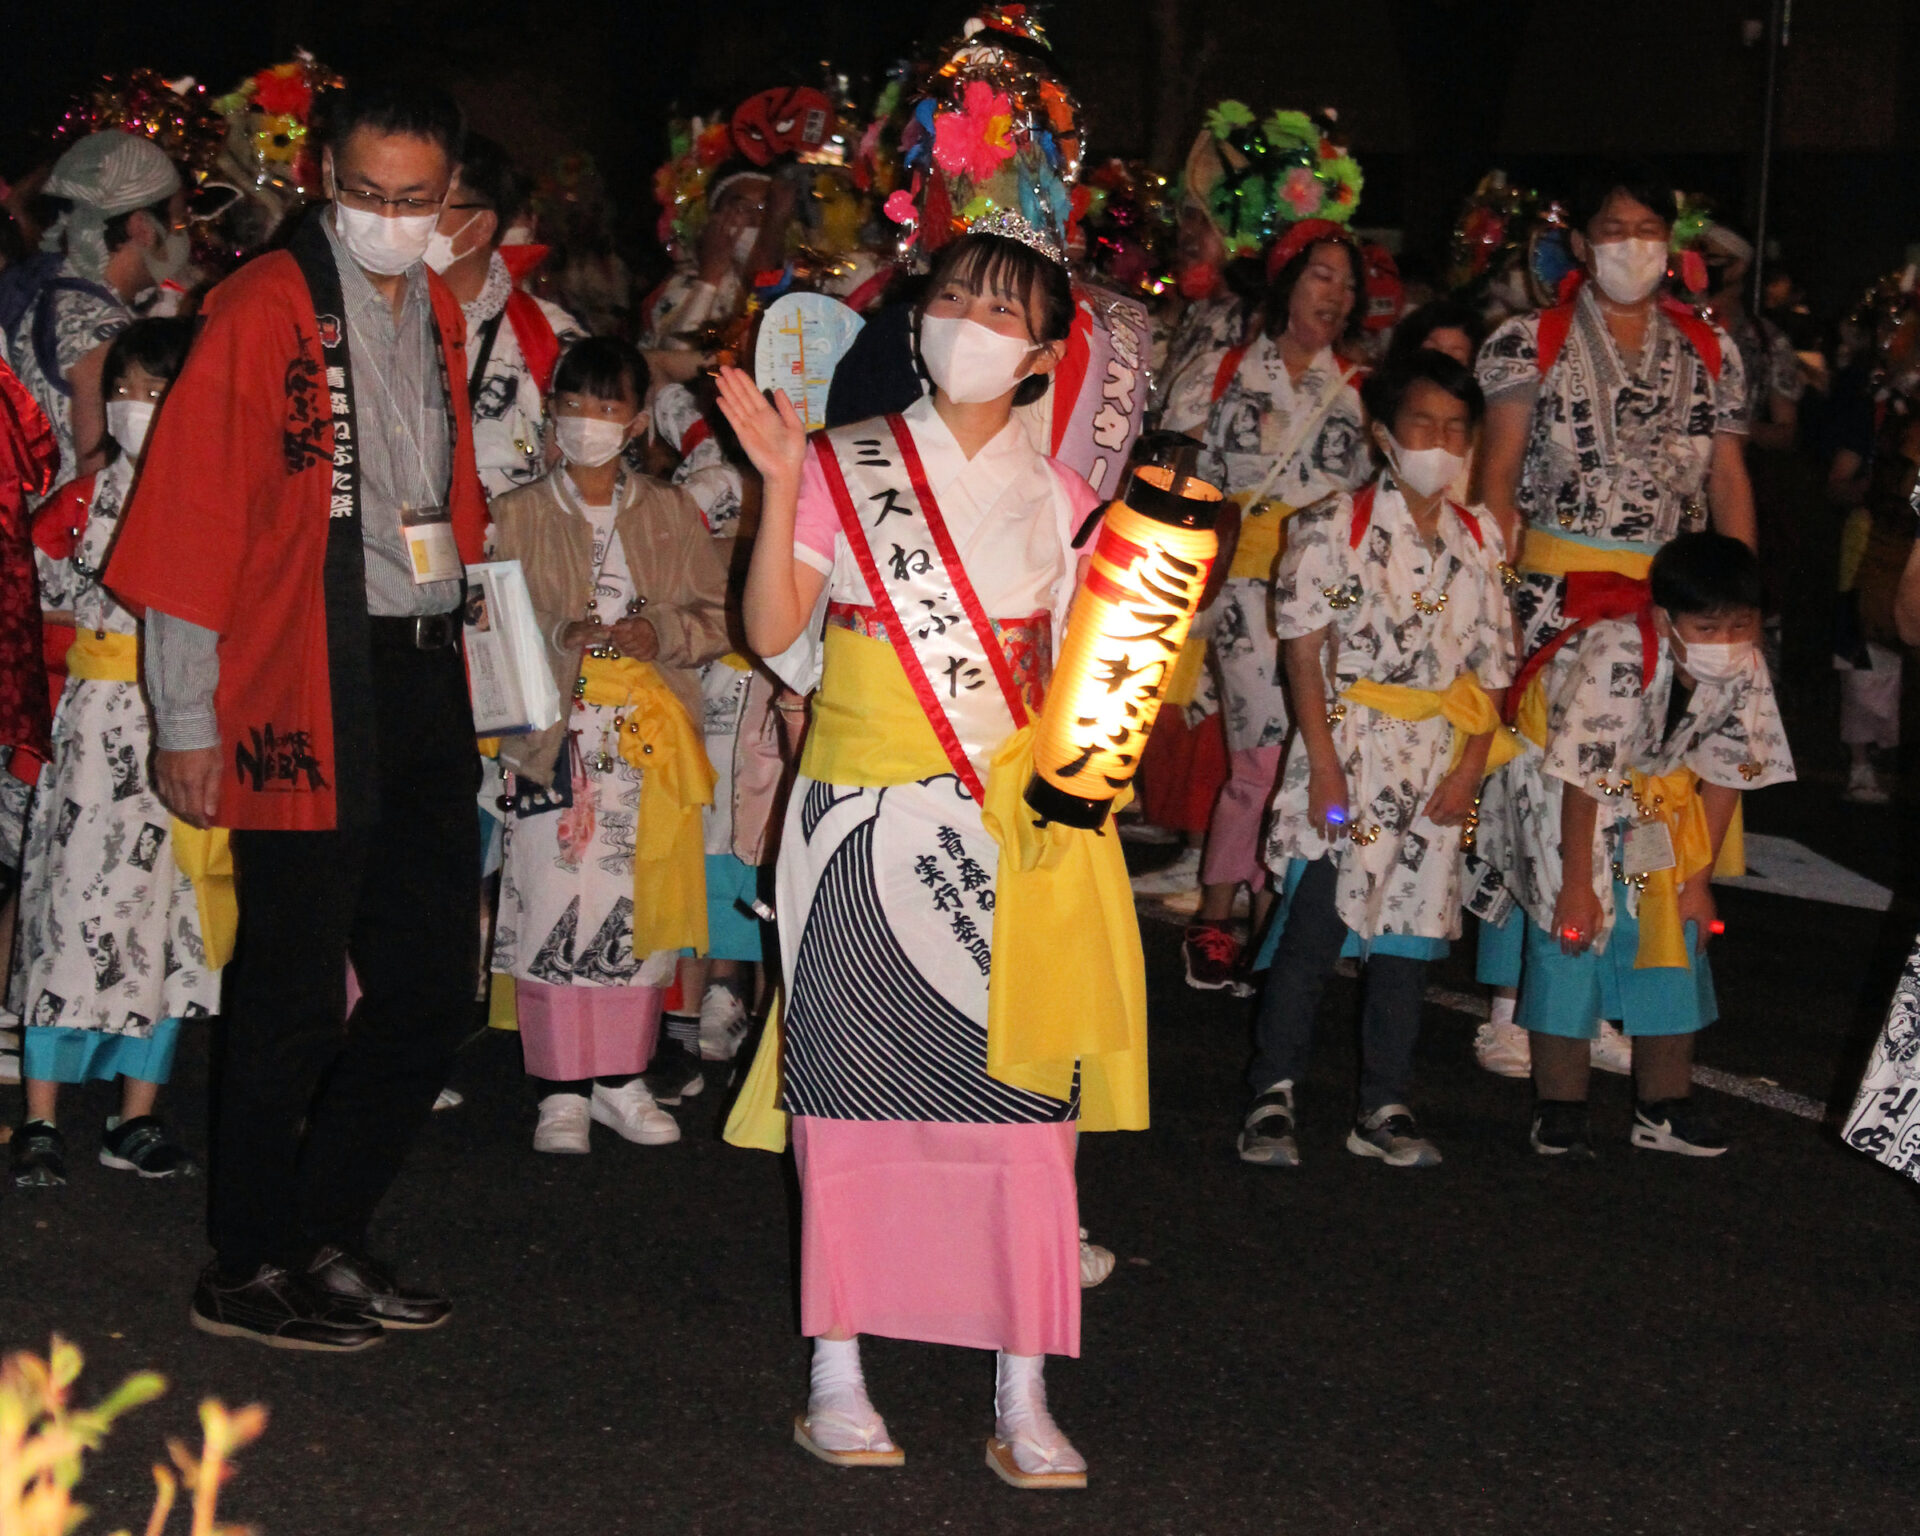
[[1263, 534], [1067, 983], [1674, 798], [756, 1120], [669, 861], [503, 1003], [1463, 702], [738, 662], [202, 854]]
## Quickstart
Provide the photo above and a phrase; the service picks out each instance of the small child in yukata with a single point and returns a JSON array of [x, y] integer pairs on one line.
[[1609, 831], [1398, 648]]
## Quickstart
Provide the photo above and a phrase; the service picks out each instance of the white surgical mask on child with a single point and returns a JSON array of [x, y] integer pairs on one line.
[[589, 441], [743, 244], [1719, 661], [1628, 270], [1424, 471], [127, 424], [440, 253], [386, 247], [970, 363]]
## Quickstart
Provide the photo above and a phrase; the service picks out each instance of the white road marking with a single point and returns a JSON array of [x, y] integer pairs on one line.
[[1781, 867], [1756, 1090]]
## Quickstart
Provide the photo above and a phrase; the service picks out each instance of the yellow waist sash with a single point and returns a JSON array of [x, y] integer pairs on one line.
[[1067, 984], [1547, 554], [1263, 534], [1463, 702], [658, 737], [202, 854], [1674, 798]]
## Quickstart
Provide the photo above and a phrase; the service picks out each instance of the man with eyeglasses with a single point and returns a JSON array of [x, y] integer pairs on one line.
[[298, 538]]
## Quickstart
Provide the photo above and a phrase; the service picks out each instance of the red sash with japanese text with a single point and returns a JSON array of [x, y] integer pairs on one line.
[[933, 616]]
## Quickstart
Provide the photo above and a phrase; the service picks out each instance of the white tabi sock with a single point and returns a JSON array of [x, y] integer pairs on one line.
[[1021, 1419], [839, 1415], [1501, 1012]]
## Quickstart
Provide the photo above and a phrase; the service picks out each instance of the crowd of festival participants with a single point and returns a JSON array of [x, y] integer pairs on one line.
[[1485, 633]]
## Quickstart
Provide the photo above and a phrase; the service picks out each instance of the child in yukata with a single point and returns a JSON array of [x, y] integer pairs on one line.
[[1609, 828], [1398, 647]]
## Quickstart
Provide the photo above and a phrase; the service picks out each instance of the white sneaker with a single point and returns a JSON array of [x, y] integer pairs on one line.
[[723, 1024], [564, 1126], [1503, 1049], [632, 1112], [1613, 1051], [1096, 1263], [1179, 877]]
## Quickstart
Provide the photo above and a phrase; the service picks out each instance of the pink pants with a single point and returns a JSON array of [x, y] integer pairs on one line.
[[1233, 841]]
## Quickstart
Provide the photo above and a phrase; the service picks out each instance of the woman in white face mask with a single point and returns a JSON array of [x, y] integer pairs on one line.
[[100, 882], [630, 595], [916, 570]]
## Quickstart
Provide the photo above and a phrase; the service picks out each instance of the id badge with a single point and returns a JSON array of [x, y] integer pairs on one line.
[[431, 550], [1649, 848]]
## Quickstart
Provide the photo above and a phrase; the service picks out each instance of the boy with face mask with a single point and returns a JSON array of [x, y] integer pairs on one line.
[[105, 879], [1639, 745], [1398, 647]]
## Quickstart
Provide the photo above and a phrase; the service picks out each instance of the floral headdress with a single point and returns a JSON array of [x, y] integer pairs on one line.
[[1254, 178], [1129, 227], [993, 142], [696, 146], [270, 114], [175, 114]]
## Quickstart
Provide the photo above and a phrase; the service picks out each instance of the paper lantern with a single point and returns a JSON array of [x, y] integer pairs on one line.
[[1129, 621]]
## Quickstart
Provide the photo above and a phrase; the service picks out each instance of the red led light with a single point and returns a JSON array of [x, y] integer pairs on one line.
[[1716, 927]]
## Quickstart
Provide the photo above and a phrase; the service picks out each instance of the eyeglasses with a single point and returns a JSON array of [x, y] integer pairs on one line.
[[373, 202]]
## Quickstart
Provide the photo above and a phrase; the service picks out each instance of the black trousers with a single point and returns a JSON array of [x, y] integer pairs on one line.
[[315, 1111], [1304, 958]]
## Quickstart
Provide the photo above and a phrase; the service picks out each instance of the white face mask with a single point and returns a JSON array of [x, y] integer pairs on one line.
[[1424, 471], [969, 363], [170, 257], [385, 247], [587, 440], [1717, 661], [440, 252], [127, 424], [1628, 270], [743, 244]]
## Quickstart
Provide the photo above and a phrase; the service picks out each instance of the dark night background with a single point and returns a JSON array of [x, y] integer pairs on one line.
[[1433, 92]]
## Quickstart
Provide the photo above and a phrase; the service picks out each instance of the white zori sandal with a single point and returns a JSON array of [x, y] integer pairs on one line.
[[840, 1425], [1027, 1449]]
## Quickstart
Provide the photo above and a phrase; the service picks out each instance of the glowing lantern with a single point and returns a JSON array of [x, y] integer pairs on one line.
[[1130, 618]]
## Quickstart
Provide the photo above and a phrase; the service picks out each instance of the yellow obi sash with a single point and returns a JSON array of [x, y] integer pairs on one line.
[[669, 862], [202, 854], [1263, 535], [1067, 982], [1674, 798], [1463, 702], [1547, 554]]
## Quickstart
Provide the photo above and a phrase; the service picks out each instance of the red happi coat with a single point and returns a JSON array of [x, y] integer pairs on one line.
[[28, 460], [228, 528]]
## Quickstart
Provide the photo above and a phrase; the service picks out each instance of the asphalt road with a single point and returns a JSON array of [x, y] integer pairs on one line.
[[1502, 1344]]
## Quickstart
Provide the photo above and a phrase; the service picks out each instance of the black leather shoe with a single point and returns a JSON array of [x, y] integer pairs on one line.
[[274, 1308], [356, 1283]]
